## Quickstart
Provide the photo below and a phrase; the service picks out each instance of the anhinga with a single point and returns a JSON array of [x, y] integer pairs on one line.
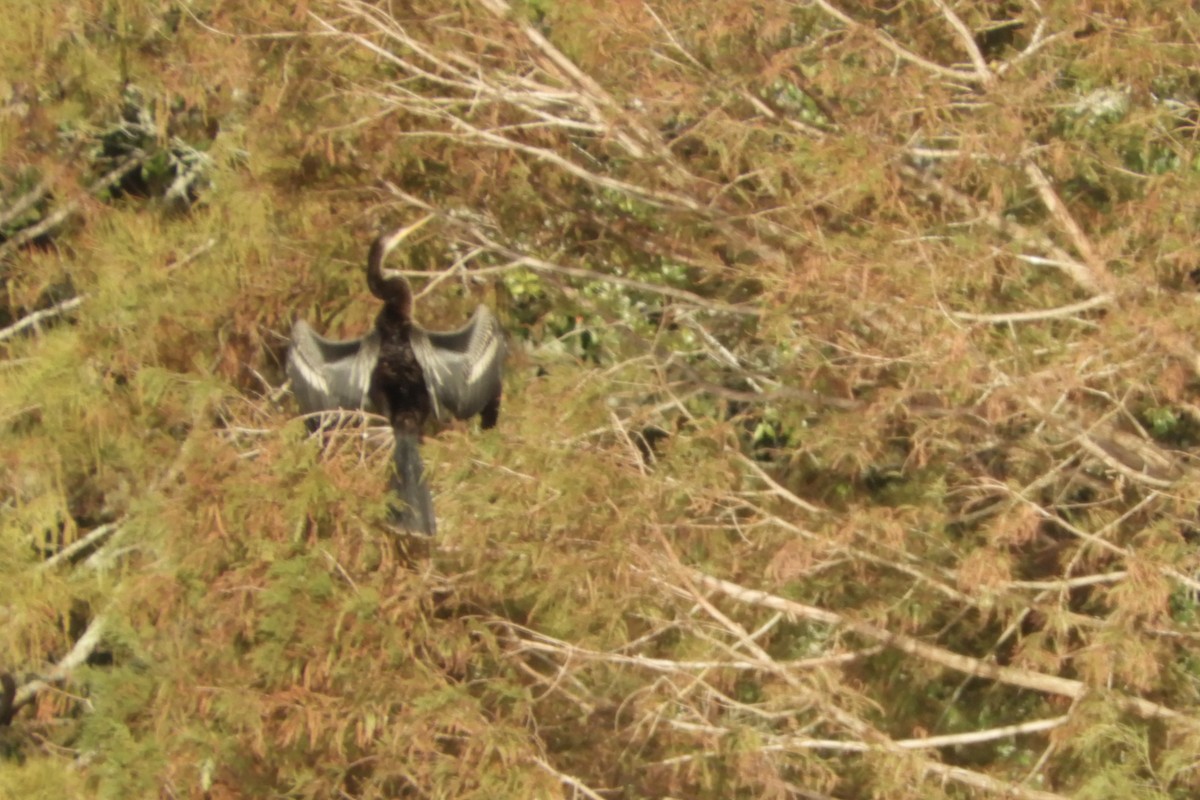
[[404, 372]]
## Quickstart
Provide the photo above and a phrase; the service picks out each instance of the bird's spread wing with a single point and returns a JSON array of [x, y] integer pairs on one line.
[[462, 368], [328, 374]]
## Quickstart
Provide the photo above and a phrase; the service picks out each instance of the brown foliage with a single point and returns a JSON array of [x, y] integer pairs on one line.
[[845, 452]]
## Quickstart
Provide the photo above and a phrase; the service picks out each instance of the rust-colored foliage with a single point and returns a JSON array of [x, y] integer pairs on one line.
[[845, 449]]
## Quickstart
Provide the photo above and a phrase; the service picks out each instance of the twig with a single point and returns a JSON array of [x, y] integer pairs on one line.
[[108, 179], [1059, 211], [927, 743], [1037, 42], [777, 488], [570, 780], [986, 76], [203, 248], [570, 99], [1109, 458], [547, 644], [1070, 583], [38, 317], [93, 538], [26, 201], [1037, 316], [1082, 274], [902, 53], [79, 654]]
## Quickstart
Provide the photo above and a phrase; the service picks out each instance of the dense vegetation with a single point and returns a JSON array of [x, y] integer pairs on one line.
[[846, 445]]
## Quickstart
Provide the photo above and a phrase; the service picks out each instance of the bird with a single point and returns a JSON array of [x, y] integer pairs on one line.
[[405, 373]]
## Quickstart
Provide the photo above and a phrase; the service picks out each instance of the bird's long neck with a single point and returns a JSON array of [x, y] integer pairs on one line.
[[388, 285], [393, 324]]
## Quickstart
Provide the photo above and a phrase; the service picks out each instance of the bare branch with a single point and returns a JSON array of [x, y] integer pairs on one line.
[[518, 260], [569, 780], [900, 52], [61, 673], [778, 489], [1012, 676], [982, 71], [25, 201], [535, 641], [1055, 205], [1082, 274], [1037, 316], [1037, 42], [114, 175], [36, 318], [93, 539]]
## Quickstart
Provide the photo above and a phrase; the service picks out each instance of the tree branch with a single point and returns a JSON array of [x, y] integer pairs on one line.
[[1012, 676], [79, 654], [37, 317]]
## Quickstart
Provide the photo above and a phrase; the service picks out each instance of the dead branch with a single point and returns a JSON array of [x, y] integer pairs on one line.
[[191, 256], [93, 539], [900, 52], [983, 72], [1059, 211], [1097, 540], [62, 671], [1037, 42], [1036, 316], [26, 235], [788, 743], [37, 317], [530, 640], [1012, 676], [517, 260], [1080, 273], [778, 489], [569, 97], [852, 724], [25, 201], [569, 780]]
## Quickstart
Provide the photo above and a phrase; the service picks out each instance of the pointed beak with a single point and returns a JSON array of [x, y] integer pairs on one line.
[[402, 234]]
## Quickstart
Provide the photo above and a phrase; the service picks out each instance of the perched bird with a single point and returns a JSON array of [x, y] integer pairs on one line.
[[405, 373]]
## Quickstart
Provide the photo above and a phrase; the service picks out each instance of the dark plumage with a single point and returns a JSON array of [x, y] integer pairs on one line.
[[403, 372]]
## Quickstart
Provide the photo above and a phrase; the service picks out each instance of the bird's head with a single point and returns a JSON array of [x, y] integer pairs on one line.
[[390, 285]]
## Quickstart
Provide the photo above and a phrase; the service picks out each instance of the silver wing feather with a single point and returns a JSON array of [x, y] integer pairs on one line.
[[463, 368], [328, 374]]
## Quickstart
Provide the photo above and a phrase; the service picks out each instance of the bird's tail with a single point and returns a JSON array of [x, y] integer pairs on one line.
[[412, 506]]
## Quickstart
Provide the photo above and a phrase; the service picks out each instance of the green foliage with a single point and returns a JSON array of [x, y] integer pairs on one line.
[[777, 294]]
